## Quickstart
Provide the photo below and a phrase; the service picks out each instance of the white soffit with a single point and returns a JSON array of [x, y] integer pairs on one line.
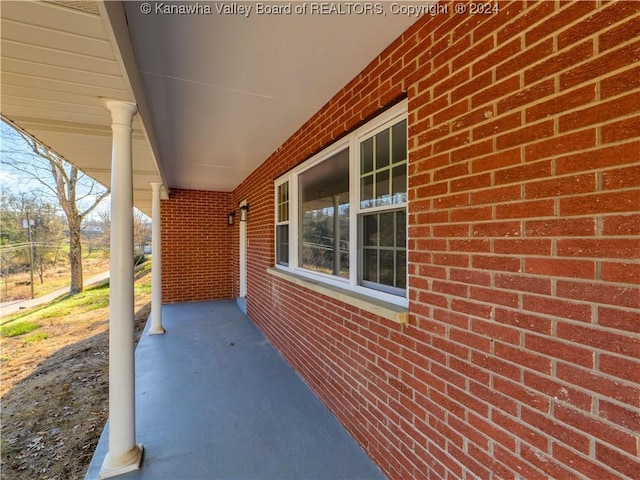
[[57, 65]]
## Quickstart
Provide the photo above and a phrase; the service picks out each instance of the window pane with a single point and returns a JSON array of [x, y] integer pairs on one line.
[[401, 229], [401, 269], [324, 216], [366, 192], [366, 155], [383, 246], [283, 202], [382, 188], [282, 213], [382, 149], [388, 167], [399, 141], [386, 267], [370, 265], [387, 227], [282, 244], [399, 184], [370, 231]]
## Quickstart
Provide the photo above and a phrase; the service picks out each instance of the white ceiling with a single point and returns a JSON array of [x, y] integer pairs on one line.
[[217, 93], [226, 91]]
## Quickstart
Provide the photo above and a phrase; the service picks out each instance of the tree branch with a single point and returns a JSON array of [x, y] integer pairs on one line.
[[96, 203]]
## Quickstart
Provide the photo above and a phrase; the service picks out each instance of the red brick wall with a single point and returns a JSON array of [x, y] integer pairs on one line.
[[196, 246], [521, 355]]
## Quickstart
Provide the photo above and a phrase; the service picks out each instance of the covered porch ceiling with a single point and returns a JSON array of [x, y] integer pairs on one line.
[[217, 93]]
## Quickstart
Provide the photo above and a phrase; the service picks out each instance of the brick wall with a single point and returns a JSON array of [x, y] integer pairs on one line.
[[196, 246], [521, 355]]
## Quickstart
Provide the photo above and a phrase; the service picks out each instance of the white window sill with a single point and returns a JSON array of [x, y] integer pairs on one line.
[[378, 307]]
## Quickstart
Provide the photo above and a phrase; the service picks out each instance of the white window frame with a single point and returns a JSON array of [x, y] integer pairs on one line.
[[352, 141], [285, 222]]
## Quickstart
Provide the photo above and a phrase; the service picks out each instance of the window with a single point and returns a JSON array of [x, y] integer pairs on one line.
[[324, 216], [384, 251], [383, 167], [341, 216], [282, 224], [383, 186]]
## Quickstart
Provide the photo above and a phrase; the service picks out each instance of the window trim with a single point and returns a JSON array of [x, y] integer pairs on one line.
[[279, 223], [351, 141]]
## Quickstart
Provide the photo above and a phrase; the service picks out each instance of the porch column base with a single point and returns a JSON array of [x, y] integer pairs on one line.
[[156, 330], [127, 462]]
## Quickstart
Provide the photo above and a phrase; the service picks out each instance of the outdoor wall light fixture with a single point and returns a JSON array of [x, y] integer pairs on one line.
[[244, 211], [230, 218]]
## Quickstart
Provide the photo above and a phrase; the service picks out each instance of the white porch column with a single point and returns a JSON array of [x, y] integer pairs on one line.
[[156, 264], [124, 454]]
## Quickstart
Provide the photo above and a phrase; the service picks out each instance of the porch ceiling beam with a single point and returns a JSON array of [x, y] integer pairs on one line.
[[115, 23]]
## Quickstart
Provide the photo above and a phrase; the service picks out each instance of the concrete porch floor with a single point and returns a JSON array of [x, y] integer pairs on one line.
[[215, 400]]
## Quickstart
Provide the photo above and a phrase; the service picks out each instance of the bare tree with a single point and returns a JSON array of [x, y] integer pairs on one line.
[[141, 230], [77, 193], [44, 229]]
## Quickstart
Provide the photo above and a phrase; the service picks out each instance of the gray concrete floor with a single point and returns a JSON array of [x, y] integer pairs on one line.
[[215, 400]]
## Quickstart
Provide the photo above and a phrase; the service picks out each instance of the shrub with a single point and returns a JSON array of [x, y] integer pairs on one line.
[[139, 259]]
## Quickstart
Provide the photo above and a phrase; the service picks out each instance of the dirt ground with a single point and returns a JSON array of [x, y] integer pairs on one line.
[[55, 394], [17, 286]]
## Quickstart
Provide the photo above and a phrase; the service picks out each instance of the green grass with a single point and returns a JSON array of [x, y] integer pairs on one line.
[[143, 289], [92, 298], [6, 448], [36, 337], [19, 328]]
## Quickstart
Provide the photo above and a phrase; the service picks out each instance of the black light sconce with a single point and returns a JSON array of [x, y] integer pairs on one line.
[[244, 213], [231, 217]]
